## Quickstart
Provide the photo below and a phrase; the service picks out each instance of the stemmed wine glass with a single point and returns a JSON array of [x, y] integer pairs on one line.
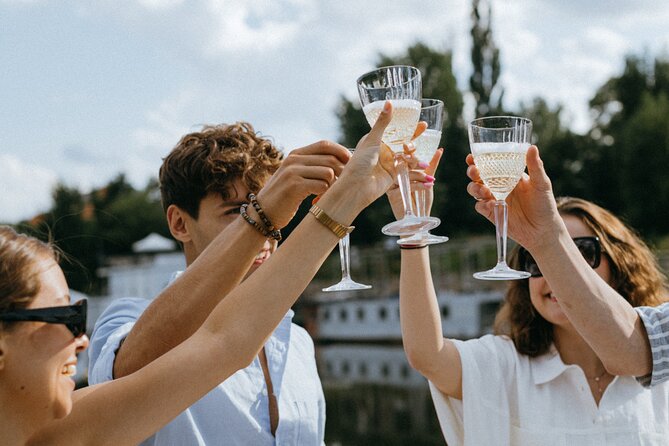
[[401, 85], [499, 145], [346, 283], [427, 143]]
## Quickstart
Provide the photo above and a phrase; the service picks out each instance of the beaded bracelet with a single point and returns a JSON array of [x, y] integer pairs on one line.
[[269, 230], [274, 233], [252, 222], [413, 246]]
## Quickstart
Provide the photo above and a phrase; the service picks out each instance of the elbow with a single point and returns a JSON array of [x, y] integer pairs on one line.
[[419, 360]]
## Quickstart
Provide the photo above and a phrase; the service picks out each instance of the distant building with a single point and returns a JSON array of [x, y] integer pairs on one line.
[[145, 273]]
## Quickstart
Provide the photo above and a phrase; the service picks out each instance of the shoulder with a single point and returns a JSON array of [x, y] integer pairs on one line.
[[300, 336], [488, 345], [489, 356]]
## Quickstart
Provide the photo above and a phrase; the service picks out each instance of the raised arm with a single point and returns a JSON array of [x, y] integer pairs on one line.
[[602, 316], [192, 297], [129, 409], [427, 350]]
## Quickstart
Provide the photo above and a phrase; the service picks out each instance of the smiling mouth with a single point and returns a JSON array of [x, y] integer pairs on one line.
[[69, 370]]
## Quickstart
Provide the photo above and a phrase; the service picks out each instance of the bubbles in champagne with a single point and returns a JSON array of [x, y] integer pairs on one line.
[[500, 165], [403, 124], [427, 144]]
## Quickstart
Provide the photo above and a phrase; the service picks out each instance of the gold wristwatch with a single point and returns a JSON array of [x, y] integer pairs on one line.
[[337, 228]]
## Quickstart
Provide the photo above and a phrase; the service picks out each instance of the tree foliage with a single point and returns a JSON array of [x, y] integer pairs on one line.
[[485, 62], [89, 227]]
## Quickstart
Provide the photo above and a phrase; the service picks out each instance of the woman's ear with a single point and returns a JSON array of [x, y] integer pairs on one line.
[[176, 221]]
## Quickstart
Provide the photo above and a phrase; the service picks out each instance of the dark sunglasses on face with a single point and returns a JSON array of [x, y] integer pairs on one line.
[[590, 248], [72, 316]]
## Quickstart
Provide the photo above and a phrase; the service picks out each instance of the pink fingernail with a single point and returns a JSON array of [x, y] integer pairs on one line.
[[386, 107], [430, 184], [423, 165], [429, 178]]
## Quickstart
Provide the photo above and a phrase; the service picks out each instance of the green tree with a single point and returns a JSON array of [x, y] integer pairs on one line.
[[564, 153], [485, 61], [631, 144]]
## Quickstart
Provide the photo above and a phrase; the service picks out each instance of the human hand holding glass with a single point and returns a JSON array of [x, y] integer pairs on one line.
[[426, 144], [401, 85], [499, 145], [346, 283]]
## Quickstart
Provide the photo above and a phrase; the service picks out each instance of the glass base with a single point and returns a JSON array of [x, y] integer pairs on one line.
[[501, 272], [423, 238], [347, 285], [410, 225]]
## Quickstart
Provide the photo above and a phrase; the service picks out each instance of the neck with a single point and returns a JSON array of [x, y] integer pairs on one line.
[[574, 350], [14, 424]]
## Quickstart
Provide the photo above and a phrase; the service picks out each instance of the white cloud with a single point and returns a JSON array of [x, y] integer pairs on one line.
[[26, 189]]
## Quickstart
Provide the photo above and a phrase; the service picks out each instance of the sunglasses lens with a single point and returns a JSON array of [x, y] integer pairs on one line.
[[590, 250]]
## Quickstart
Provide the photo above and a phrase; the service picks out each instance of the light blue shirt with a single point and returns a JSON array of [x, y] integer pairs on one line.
[[236, 412]]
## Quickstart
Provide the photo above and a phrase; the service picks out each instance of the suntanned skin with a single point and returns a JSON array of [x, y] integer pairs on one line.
[[236, 329], [606, 321]]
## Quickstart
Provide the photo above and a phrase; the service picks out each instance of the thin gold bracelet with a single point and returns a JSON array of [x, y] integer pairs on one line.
[[337, 228]]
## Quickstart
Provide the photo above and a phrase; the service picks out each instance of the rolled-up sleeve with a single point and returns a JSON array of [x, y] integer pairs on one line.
[[656, 321], [110, 330]]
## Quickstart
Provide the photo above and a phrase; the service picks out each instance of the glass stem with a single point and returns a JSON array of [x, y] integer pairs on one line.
[[404, 184], [344, 257], [420, 198], [501, 219]]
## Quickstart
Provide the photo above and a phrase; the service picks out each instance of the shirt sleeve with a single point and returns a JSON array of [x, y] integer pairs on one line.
[[111, 329], [656, 321], [487, 367]]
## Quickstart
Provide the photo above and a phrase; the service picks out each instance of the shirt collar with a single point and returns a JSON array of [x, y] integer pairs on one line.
[[547, 367]]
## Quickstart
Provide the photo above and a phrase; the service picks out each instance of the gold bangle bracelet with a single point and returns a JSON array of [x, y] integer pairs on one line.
[[337, 228]]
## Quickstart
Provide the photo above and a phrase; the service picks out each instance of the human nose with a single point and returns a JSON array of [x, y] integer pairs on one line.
[[81, 343]]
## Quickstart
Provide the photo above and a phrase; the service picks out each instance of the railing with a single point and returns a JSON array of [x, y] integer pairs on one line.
[[452, 263]]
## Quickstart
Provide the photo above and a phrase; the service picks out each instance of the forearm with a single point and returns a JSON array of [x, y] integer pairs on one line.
[[603, 317], [235, 330], [181, 308], [420, 318], [288, 271]]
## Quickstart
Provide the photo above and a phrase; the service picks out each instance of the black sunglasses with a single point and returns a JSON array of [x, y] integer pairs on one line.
[[590, 248], [72, 316]]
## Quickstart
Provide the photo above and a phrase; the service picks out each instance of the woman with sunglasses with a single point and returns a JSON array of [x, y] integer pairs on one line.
[[537, 380], [40, 334]]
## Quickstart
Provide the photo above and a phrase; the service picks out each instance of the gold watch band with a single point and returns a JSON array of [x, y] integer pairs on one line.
[[337, 228]]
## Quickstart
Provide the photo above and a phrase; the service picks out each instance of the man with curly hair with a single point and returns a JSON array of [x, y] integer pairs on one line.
[[205, 181]]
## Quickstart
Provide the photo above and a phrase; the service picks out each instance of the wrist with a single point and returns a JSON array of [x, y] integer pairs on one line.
[[342, 204]]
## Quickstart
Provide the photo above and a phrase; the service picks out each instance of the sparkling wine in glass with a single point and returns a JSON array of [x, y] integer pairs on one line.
[[427, 143], [499, 145], [401, 85], [346, 283]]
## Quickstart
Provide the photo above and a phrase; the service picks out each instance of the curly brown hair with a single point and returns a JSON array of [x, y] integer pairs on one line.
[[208, 161], [635, 274], [20, 260]]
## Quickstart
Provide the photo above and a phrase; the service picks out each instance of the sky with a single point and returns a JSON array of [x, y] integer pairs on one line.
[[89, 90]]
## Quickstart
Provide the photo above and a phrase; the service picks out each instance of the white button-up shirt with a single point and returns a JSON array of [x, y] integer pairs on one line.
[[512, 399], [236, 412]]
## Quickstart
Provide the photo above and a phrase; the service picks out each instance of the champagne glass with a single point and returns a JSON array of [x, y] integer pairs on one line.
[[401, 85], [499, 145], [432, 112], [346, 283]]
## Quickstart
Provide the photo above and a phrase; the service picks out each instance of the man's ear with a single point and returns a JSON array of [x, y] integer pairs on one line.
[[177, 222]]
